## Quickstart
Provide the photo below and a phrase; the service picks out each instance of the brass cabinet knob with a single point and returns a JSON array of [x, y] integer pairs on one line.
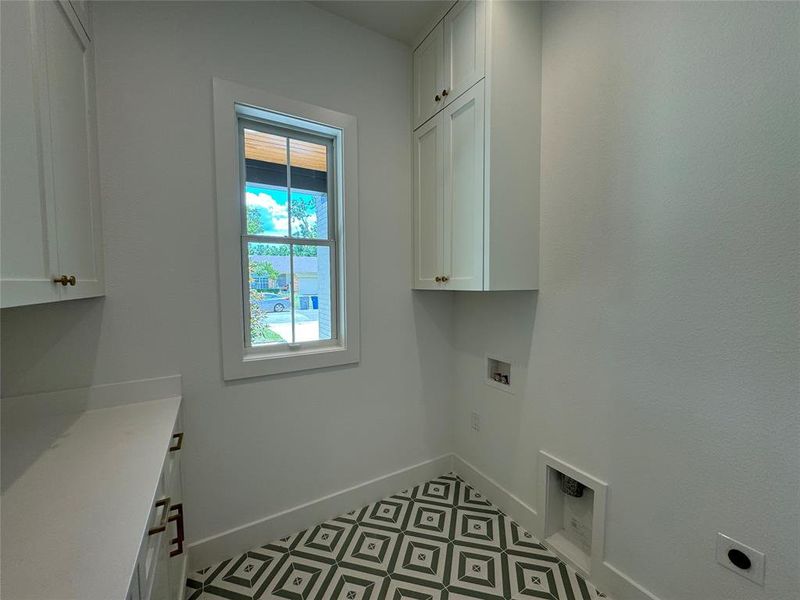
[[437, 98], [438, 279], [445, 278], [66, 280], [444, 93]]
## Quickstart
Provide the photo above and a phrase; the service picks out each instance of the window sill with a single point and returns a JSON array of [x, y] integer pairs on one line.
[[260, 364]]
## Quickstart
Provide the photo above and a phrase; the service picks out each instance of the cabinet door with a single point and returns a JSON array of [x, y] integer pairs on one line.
[[464, 47], [67, 72], [174, 489], [428, 76], [27, 240], [161, 587], [462, 124], [428, 204]]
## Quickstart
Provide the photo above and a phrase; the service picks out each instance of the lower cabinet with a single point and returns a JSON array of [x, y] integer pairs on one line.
[[160, 571]]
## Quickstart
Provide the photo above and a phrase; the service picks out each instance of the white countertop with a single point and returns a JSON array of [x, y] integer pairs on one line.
[[77, 493]]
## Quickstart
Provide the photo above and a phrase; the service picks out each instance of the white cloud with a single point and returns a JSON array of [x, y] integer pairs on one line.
[[275, 215], [277, 218]]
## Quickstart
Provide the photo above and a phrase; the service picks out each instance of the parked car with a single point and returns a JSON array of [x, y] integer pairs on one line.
[[274, 302]]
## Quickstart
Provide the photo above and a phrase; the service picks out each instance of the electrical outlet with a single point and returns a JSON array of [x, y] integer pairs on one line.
[[476, 421], [744, 560]]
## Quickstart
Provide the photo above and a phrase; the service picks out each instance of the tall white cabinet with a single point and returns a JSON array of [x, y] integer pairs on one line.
[[475, 150], [51, 227]]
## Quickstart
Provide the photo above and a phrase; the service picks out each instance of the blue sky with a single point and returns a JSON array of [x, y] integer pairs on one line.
[[272, 206]]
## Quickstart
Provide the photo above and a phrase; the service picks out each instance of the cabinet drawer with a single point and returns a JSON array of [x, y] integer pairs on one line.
[[172, 468], [154, 542], [162, 559]]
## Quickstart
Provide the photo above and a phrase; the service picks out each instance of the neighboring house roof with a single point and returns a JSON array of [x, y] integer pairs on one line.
[[302, 264]]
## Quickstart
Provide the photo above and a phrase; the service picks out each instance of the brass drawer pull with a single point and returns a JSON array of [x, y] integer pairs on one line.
[[178, 443], [179, 535], [164, 515], [64, 280], [445, 278], [438, 279]]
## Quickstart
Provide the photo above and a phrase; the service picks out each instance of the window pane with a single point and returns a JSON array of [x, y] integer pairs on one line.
[[309, 180], [270, 293], [313, 308], [266, 194]]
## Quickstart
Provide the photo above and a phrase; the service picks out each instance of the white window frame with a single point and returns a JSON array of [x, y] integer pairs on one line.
[[232, 101]]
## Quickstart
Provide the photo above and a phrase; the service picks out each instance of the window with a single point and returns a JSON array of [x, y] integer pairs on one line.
[[288, 249], [287, 233]]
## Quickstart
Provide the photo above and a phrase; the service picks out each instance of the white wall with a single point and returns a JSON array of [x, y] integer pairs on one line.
[[258, 446], [661, 353]]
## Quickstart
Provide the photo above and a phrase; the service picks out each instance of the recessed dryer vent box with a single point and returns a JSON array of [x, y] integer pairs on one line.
[[574, 513], [498, 374]]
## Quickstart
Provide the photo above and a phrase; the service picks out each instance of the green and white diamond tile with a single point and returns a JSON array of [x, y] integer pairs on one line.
[[484, 529], [478, 573], [423, 561], [390, 513], [439, 540], [352, 584], [328, 539], [517, 538], [297, 578], [442, 491], [398, 589], [434, 521], [371, 550]]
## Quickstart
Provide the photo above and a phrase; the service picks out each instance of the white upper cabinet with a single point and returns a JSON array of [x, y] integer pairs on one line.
[[51, 227], [476, 157], [448, 197], [464, 47], [462, 174], [29, 253], [450, 59], [429, 76], [428, 205]]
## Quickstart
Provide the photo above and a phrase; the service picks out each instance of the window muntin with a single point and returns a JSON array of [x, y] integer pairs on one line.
[[289, 242]]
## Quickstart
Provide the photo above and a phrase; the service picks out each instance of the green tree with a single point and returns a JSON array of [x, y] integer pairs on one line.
[[302, 207], [260, 332], [255, 224], [264, 269], [300, 212]]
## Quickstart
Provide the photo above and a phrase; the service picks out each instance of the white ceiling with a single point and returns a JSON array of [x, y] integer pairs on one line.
[[401, 20]]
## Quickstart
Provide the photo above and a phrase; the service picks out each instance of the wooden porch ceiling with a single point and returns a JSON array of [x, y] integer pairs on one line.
[[271, 148]]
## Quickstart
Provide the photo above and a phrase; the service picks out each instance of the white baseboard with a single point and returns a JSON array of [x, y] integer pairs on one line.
[[608, 578], [210, 550], [625, 587]]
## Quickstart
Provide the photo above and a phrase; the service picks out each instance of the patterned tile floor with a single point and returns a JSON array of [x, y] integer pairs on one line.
[[440, 540]]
